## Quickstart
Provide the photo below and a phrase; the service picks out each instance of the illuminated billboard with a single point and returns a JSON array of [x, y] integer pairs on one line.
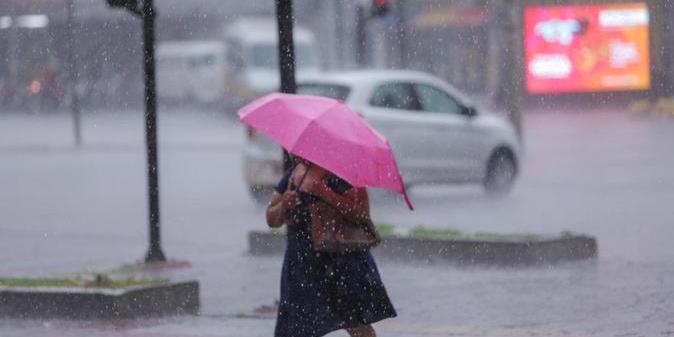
[[587, 48]]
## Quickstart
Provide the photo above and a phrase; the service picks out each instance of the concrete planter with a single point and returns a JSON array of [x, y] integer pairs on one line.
[[463, 252], [87, 303]]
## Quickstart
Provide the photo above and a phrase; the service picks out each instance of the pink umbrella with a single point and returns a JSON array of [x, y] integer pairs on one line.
[[329, 134]]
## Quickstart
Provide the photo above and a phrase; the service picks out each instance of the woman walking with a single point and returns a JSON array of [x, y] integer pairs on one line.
[[323, 291]]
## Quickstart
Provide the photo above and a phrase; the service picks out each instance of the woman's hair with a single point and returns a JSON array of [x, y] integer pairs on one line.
[[297, 160]]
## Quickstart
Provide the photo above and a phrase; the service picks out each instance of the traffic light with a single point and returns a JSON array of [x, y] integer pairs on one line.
[[123, 3], [380, 7], [131, 5]]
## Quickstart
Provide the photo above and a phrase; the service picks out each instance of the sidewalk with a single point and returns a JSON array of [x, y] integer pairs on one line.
[[238, 327]]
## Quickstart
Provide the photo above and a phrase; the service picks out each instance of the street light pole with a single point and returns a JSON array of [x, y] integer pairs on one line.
[[155, 253], [148, 14], [72, 69], [286, 53]]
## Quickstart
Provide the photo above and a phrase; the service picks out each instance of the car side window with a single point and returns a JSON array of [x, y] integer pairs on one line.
[[395, 96], [433, 99]]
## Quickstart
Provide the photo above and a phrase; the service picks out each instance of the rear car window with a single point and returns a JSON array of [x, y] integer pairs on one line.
[[335, 91]]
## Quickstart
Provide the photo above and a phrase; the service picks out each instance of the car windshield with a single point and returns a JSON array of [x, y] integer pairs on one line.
[[336, 91]]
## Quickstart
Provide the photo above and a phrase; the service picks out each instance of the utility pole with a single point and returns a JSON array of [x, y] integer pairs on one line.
[[286, 55], [148, 15], [72, 70]]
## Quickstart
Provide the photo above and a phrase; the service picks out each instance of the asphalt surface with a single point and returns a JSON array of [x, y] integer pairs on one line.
[[603, 173]]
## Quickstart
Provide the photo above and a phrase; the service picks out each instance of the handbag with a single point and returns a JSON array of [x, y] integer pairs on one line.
[[332, 230]]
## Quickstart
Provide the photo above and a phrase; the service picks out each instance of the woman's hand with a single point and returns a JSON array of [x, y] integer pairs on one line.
[[354, 202], [279, 206], [290, 199]]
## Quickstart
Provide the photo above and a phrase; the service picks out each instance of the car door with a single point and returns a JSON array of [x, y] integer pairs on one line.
[[454, 140], [395, 111]]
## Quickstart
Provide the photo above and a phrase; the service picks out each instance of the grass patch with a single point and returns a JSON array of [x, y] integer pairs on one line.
[[486, 236], [455, 234], [95, 281], [422, 232], [37, 282], [385, 229], [382, 228], [279, 231]]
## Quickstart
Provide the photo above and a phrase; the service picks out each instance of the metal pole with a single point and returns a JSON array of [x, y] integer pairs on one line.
[[513, 69], [339, 32], [14, 50], [286, 53], [669, 50], [72, 69], [361, 37], [402, 35], [154, 253]]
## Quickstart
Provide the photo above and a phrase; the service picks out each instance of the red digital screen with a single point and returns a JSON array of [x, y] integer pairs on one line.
[[587, 48]]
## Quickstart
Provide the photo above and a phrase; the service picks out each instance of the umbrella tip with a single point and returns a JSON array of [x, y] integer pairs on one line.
[[408, 202]]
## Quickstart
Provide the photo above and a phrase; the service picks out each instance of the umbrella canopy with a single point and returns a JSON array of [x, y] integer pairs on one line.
[[329, 134]]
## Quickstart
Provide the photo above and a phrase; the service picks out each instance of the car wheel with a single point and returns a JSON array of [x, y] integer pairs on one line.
[[261, 194], [501, 173]]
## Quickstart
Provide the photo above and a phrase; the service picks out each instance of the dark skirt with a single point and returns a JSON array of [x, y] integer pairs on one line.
[[323, 292]]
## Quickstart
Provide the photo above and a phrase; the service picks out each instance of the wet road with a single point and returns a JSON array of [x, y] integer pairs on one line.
[[601, 173]]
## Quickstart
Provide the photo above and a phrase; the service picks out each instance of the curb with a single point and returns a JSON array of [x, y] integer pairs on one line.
[[86, 303], [462, 252]]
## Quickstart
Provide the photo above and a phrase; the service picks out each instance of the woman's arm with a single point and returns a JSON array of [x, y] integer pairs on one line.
[[279, 205], [354, 202]]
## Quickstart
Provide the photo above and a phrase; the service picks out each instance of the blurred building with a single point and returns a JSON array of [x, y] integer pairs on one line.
[[467, 43], [108, 45], [463, 41]]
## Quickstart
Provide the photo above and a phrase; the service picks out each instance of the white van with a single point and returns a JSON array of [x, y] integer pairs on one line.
[[191, 71], [252, 57]]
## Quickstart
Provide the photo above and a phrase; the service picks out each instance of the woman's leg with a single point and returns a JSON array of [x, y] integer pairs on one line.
[[362, 331]]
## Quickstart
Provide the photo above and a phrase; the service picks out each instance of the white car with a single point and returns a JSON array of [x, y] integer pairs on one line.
[[438, 135]]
